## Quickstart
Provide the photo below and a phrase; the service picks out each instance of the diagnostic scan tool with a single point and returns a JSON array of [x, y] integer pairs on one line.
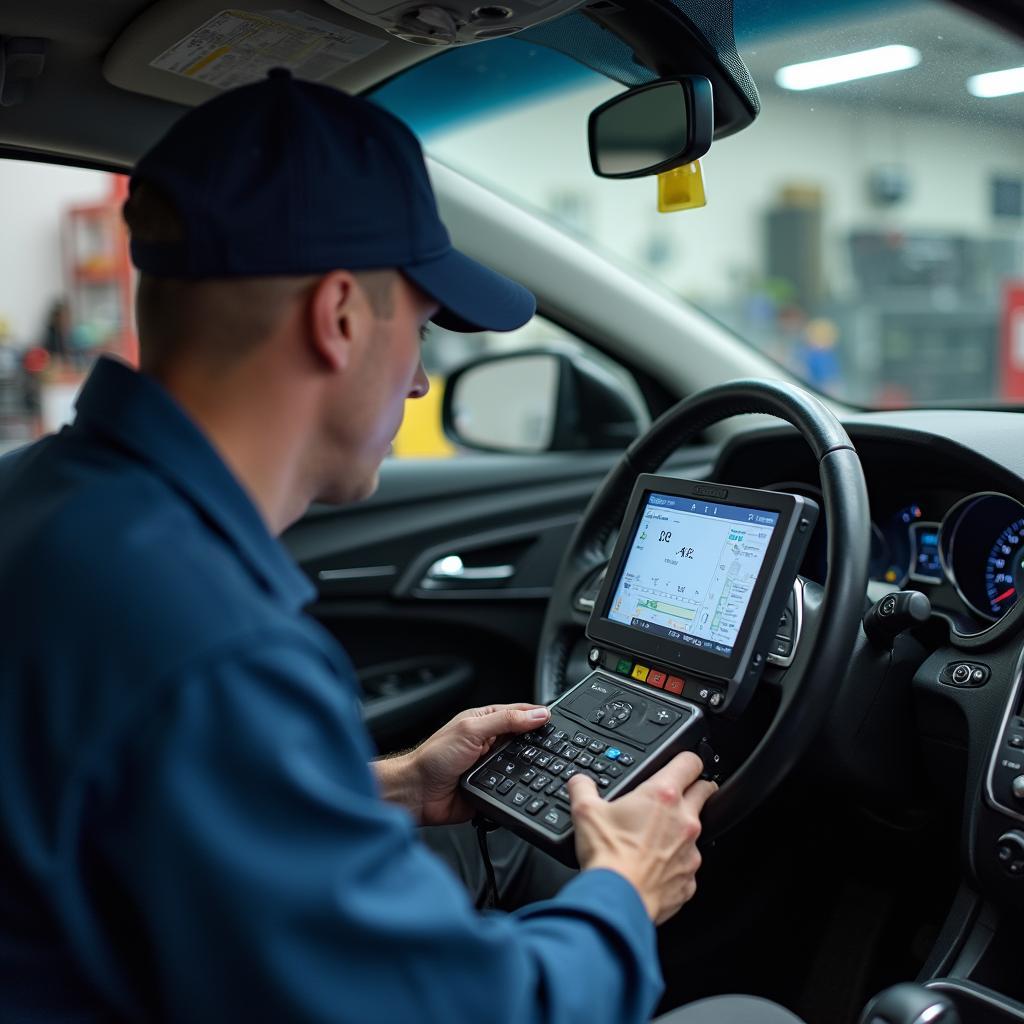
[[694, 603]]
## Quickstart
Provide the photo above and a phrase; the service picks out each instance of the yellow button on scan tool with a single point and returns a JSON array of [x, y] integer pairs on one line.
[[640, 672]]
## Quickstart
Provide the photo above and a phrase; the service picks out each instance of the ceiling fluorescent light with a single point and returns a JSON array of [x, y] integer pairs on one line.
[[996, 83], [848, 67]]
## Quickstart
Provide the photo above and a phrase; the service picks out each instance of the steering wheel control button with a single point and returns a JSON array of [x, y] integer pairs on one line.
[[640, 673], [674, 685], [656, 678], [781, 647]]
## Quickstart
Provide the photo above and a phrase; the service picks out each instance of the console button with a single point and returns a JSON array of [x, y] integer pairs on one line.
[[961, 674], [536, 805], [614, 771], [570, 772], [663, 717], [656, 678], [540, 782], [519, 797], [613, 753], [581, 739], [626, 759], [624, 666], [562, 793], [596, 716], [1018, 787], [543, 760], [595, 746], [603, 781], [553, 788], [781, 647], [529, 753], [1016, 740], [570, 753], [551, 744], [673, 685], [528, 776], [585, 760], [557, 766], [640, 672], [506, 786], [558, 734], [611, 723]]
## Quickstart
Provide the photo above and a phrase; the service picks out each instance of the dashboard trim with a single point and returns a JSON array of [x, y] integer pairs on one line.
[[1011, 703]]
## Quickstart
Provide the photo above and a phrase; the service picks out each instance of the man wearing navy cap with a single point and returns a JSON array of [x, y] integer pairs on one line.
[[193, 828]]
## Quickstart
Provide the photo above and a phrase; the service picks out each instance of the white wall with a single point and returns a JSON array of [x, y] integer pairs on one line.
[[33, 198], [797, 140]]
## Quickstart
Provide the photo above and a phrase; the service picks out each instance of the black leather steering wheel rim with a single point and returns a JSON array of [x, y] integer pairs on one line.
[[825, 649]]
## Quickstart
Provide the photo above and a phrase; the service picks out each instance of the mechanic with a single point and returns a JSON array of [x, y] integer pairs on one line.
[[193, 825]]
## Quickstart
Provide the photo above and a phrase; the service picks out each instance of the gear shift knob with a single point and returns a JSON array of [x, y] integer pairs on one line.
[[910, 1004]]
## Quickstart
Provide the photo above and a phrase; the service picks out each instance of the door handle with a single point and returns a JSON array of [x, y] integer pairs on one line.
[[451, 569]]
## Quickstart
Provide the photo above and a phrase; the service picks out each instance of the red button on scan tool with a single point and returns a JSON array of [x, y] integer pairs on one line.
[[656, 678], [674, 684]]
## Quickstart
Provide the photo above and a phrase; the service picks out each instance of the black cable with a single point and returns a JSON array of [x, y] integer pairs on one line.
[[489, 899]]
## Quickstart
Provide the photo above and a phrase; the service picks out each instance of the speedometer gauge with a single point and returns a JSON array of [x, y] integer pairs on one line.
[[981, 544], [1004, 569]]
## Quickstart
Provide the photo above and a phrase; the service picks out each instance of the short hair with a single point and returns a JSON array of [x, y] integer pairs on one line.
[[175, 315]]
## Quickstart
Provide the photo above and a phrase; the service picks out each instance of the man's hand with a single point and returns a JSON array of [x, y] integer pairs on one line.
[[649, 836], [425, 780]]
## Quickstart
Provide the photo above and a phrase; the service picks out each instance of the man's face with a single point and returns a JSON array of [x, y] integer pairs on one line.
[[386, 371]]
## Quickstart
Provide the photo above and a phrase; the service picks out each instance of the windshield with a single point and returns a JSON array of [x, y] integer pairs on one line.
[[866, 234]]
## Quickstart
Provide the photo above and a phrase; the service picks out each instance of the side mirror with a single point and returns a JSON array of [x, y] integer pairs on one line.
[[540, 400], [652, 128]]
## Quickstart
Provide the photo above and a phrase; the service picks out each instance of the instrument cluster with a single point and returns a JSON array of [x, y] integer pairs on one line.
[[971, 549], [977, 547]]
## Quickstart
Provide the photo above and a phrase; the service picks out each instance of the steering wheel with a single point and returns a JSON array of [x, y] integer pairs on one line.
[[831, 615]]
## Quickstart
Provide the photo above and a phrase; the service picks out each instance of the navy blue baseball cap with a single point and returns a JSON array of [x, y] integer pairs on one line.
[[286, 177]]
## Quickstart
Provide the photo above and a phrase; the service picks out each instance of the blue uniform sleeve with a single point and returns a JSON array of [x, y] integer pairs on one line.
[[251, 872]]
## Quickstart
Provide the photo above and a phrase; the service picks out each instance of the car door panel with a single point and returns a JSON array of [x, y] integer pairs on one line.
[[428, 642]]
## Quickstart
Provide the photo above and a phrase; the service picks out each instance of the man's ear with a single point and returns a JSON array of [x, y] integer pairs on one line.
[[338, 318]]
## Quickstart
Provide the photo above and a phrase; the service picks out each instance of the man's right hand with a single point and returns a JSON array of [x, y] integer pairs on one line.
[[649, 836]]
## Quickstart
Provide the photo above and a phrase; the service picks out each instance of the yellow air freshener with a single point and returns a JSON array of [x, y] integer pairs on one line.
[[682, 188]]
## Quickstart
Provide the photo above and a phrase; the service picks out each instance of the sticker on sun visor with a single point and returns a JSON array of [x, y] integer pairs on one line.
[[239, 47]]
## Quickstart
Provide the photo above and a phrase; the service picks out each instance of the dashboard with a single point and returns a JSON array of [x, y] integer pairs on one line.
[[945, 520], [964, 551]]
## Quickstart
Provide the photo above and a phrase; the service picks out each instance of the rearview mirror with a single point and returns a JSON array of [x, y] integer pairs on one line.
[[541, 400], [652, 128]]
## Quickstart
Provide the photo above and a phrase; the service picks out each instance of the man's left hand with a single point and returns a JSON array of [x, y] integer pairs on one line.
[[425, 780]]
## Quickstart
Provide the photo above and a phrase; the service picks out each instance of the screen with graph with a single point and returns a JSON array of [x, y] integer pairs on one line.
[[691, 569]]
